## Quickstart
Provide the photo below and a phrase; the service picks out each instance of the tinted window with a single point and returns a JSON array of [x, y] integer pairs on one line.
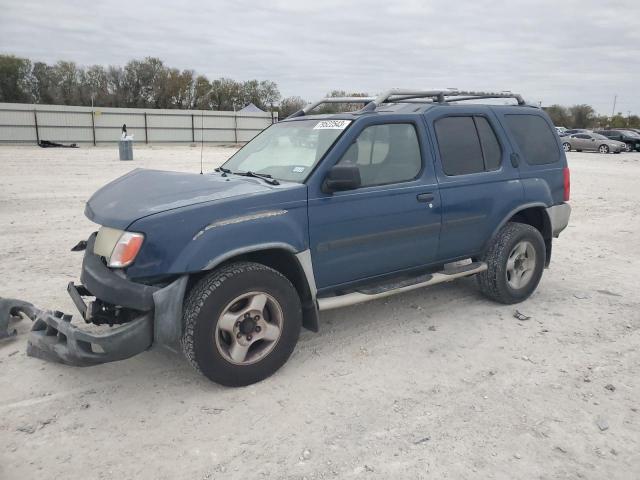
[[459, 145], [385, 154], [534, 137], [489, 142], [583, 136], [467, 145]]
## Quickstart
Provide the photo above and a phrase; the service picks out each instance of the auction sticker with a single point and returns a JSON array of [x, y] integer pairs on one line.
[[332, 125]]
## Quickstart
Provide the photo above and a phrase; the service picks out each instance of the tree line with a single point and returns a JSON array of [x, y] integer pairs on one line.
[[584, 116], [149, 83], [146, 83]]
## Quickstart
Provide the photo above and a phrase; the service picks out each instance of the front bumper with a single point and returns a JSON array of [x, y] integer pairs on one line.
[[55, 339], [154, 315]]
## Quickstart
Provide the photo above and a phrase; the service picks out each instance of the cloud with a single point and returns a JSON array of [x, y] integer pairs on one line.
[[555, 52]]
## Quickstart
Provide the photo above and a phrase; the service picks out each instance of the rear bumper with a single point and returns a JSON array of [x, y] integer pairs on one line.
[[559, 217]]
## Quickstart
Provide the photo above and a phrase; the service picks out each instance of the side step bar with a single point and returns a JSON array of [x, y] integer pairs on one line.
[[354, 298]]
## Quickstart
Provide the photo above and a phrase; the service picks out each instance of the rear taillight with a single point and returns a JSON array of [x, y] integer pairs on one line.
[[567, 183]]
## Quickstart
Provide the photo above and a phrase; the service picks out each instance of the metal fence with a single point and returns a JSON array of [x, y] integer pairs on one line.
[[26, 123]]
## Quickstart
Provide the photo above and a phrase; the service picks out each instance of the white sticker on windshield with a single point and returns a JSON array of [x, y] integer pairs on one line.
[[298, 169], [332, 125]]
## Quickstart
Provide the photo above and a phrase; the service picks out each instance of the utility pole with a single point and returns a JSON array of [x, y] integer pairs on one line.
[[613, 110]]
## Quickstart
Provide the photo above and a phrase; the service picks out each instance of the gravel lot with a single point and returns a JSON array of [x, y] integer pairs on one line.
[[437, 383]]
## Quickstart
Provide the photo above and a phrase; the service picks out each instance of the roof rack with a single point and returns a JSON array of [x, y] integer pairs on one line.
[[409, 96]]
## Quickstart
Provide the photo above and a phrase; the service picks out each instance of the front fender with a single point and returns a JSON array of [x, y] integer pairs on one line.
[[221, 240], [198, 237]]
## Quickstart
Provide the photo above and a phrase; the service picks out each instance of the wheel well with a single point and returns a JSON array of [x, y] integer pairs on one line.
[[287, 264], [537, 217]]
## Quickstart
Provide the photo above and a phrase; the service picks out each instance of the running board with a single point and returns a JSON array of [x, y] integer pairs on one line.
[[366, 295]]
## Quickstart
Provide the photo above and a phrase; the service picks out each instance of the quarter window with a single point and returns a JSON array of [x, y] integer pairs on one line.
[[467, 145], [385, 154], [533, 135]]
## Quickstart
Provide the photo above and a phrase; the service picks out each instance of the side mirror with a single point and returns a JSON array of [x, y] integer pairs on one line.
[[342, 177]]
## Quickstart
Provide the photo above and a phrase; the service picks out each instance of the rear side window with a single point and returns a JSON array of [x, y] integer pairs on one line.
[[467, 145], [489, 142], [534, 138]]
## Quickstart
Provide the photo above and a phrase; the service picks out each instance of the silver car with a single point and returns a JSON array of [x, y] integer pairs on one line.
[[591, 141]]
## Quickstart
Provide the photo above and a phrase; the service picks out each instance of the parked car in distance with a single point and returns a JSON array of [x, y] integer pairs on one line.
[[572, 131], [591, 141], [561, 130], [630, 138]]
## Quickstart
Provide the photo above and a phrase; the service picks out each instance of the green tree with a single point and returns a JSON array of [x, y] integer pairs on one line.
[[290, 105], [201, 93], [226, 94], [583, 116], [560, 116], [14, 79], [341, 107]]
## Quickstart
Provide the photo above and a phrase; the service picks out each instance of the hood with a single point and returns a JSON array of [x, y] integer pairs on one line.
[[142, 192]]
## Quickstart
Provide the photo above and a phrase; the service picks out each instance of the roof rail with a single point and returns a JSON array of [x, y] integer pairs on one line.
[[313, 105], [397, 95]]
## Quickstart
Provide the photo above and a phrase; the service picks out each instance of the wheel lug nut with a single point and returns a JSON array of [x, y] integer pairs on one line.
[[249, 337], [246, 315], [237, 324], [256, 318], [239, 335], [258, 328]]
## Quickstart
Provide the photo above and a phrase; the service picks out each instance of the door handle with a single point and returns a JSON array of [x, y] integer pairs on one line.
[[425, 197]]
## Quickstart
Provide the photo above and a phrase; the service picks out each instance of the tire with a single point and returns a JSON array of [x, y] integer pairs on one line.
[[494, 282], [603, 149], [566, 146], [210, 339], [628, 147]]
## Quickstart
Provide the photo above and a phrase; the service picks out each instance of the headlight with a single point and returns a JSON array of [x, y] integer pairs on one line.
[[126, 249], [117, 247]]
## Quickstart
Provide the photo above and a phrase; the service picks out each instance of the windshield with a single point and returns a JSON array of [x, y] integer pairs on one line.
[[288, 150]]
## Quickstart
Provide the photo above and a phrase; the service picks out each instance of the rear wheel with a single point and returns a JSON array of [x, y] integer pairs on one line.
[[241, 323], [566, 146], [628, 147], [603, 149], [515, 262]]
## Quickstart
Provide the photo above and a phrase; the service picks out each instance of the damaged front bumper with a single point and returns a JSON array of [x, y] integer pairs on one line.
[[55, 339], [151, 315]]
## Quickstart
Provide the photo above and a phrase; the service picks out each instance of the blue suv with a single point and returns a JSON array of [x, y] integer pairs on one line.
[[316, 212]]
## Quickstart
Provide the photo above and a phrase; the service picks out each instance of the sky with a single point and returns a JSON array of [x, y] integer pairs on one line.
[[564, 52]]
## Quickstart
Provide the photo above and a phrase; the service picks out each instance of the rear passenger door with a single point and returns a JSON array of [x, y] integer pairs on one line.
[[478, 184]]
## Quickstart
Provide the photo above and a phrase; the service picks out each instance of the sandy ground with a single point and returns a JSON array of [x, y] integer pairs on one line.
[[438, 383]]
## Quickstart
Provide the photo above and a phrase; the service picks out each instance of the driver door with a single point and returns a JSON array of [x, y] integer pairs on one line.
[[391, 222]]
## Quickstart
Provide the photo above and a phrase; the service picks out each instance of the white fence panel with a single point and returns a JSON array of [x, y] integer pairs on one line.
[[24, 123]]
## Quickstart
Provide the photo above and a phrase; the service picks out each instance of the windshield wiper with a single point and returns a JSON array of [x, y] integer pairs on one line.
[[264, 176], [223, 170]]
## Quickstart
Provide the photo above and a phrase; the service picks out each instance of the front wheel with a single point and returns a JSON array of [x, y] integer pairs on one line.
[[603, 149], [515, 262], [628, 147], [566, 146], [241, 323]]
